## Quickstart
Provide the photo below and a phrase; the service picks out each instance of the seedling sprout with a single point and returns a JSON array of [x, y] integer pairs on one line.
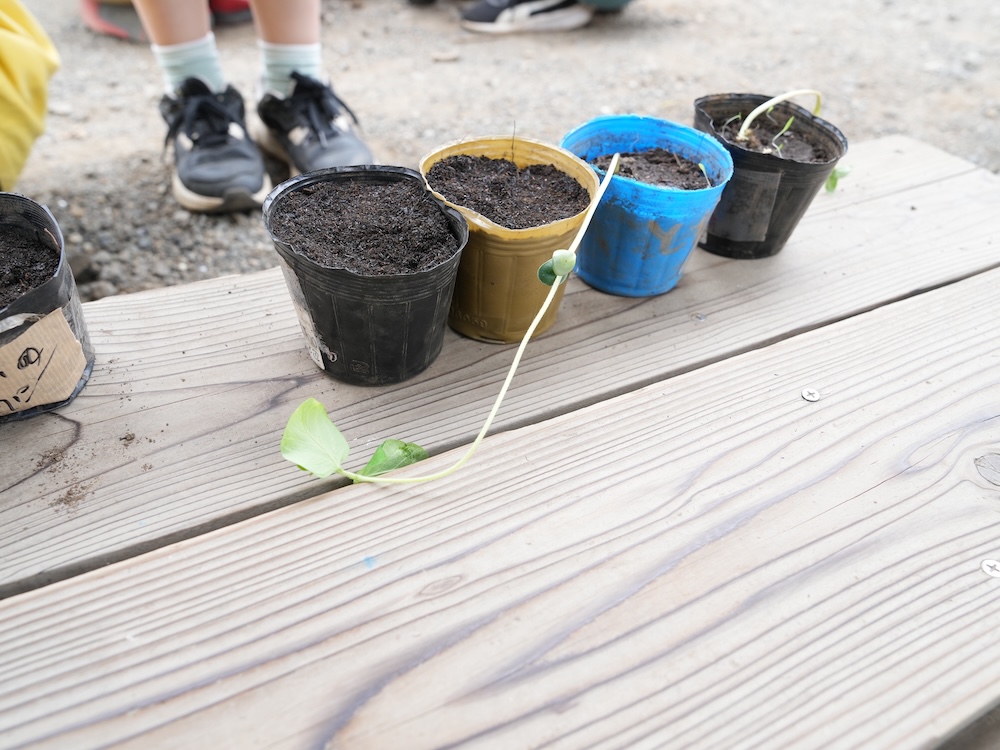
[[767, 106]]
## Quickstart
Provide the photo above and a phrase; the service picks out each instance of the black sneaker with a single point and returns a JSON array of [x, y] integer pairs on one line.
[[510, 16], [216, 165], [310, 129]]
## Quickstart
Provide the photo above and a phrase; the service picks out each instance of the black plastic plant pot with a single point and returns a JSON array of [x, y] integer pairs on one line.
[[368, 330], [767, 195], [45, 352]]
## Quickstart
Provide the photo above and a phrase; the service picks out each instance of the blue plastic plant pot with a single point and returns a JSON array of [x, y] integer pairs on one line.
[[642, 234]]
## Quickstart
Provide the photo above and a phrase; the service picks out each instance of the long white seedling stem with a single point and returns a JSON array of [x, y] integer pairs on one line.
[[766, 106], [612, 168]]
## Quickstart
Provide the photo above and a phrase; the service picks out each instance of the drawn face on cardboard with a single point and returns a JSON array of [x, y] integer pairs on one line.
[[18, 384], [41, 366]]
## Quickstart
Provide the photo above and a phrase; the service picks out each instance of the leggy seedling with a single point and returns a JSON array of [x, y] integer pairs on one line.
[[744, 132], [313, 443], [774, 141], [765, 108]]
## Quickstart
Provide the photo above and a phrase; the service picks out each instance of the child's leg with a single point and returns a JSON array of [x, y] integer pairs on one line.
[[216, 165], [305, 123], [182, 41]]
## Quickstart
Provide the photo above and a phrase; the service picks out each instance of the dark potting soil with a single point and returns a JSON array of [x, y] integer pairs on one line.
[[762, 137], [25, 264], [506, 195], [658, 166], [372, 229]]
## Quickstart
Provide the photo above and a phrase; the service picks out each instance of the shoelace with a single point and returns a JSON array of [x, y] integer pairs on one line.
[[205, 119], [318, 104]]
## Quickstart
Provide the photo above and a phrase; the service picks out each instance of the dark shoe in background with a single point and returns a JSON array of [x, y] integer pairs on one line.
[[513, 16]]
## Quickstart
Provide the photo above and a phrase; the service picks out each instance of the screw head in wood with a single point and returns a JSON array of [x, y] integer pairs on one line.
[[811, 394], [991, 568]]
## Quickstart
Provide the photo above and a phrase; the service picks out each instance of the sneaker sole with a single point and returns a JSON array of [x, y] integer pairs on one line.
[[565, 20], [261, 135], [233, 200]]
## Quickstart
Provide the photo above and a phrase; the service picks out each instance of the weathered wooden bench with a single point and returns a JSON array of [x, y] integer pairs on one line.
[[664, 543]]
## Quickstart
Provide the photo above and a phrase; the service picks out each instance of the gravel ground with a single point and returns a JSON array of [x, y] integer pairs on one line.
[[922, 68]]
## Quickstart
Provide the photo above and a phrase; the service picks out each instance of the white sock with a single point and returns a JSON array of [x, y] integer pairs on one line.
[[197, 59], [279, 60]]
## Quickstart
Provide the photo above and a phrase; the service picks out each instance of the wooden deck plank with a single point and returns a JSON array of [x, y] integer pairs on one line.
[[902, 161], [177, 431], [710, 561]]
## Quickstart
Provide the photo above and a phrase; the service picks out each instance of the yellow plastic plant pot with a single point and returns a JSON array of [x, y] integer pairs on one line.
[[497, 292]]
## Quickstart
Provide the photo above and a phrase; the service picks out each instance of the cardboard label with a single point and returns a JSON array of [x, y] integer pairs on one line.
[[41, 366]]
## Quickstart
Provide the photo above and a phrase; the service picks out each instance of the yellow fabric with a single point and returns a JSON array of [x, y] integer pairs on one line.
[[27, 61]]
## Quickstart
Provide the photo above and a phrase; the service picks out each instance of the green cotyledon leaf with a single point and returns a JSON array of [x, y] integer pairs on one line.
[[546, 274], [393, 454], [312, 442], [561, 263]]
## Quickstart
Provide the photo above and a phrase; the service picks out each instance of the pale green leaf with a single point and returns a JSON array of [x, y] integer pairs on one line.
[[393, 454], [563, 262], [312, 442]]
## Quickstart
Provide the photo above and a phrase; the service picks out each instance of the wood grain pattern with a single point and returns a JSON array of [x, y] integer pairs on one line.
[[710, 561], [177, 431]]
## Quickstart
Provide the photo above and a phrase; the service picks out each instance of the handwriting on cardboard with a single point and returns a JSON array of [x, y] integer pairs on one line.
[[41, 366]]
